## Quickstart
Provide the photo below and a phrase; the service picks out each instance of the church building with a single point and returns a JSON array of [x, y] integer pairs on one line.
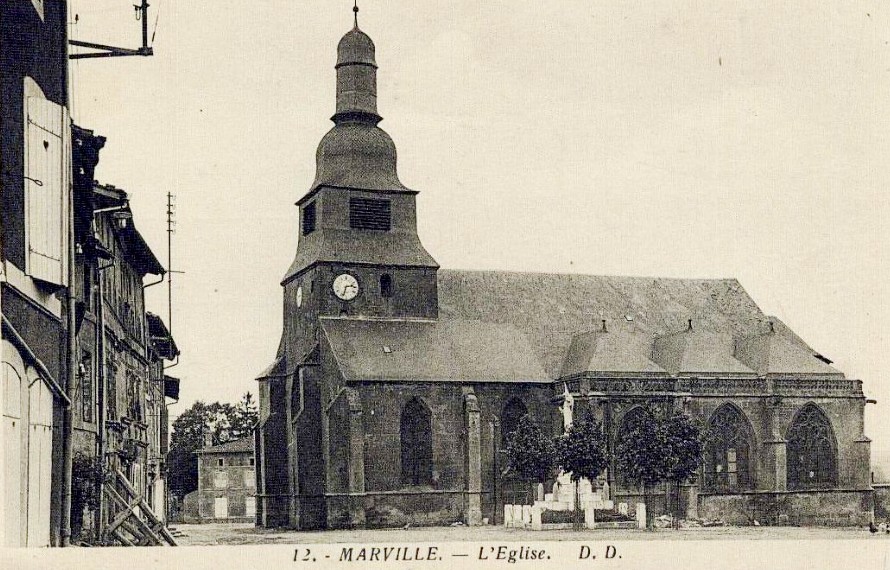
[[397, 382]]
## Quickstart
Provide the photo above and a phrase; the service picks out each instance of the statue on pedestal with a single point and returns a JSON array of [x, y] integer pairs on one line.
[[568, 405]]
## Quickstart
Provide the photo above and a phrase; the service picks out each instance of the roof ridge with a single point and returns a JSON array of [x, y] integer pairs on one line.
[[567, 274]]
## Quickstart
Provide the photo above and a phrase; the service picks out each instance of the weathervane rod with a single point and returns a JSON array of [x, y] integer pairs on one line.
[[355, 11]]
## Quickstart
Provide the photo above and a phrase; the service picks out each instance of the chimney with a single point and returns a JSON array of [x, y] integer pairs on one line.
[[208, 438]]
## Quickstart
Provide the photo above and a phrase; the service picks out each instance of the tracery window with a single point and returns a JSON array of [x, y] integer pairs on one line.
[[811, 450], [513, 412], [417, 443], [728, 453]]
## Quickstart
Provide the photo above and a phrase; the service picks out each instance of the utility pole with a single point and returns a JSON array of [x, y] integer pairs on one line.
[[171, 229], [103, 50]]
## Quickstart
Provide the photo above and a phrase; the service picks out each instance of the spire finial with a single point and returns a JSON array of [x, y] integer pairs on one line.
[[355, 11]]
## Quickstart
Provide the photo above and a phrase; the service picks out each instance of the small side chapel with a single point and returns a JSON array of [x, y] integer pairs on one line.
[[397, 382]]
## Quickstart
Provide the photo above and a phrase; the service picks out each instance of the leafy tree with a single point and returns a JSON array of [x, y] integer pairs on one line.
[[223, 422], [86, 473], [581, 451], [659, 449], [684, 438], [643, 456], [530, 453]]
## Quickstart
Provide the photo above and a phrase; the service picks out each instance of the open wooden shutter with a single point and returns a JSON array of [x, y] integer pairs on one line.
[[47, 171]]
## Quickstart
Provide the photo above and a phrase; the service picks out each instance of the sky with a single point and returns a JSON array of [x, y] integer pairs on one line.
[[677, 139]]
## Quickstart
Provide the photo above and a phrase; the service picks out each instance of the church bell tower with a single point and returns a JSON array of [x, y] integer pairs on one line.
[[358, 254]]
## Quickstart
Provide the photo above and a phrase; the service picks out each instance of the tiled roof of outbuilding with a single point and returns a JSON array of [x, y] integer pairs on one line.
[[237, 446]]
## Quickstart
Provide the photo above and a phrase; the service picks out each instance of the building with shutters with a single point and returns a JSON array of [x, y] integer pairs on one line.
[[120, 400], [397, 382], [226, 483], [35, 167], [78, 350]]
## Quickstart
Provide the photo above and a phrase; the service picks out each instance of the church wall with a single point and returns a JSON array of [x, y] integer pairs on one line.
[[307, 429], [492, 399], [275, 493], [803, 508], [387, 500]]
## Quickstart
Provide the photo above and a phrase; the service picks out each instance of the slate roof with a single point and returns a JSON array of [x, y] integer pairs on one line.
[[773, 354], [237, 446], [698, 353], [375, 248], [551, 309], [428, 350], [161, 337], [611, 353]]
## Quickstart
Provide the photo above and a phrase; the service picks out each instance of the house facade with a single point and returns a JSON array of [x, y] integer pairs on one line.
[[82, 373], [120, 402], [227, 482], [35, 215], [396, 383]]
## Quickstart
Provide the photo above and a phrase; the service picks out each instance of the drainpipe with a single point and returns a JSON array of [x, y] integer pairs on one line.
[[71, 372]]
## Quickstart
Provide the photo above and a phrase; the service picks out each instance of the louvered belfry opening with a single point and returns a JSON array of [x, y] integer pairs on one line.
[[309, 218], [370, 214]]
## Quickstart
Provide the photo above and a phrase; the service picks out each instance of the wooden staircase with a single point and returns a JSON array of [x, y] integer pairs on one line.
[[134, 523]]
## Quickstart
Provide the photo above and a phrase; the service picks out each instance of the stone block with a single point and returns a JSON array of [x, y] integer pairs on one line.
[[641, 515]]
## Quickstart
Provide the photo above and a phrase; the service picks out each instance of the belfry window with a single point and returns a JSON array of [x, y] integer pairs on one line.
[[369, 214], [811, 450], [417, 443], [386, 285], [308, 218], [728, 452]]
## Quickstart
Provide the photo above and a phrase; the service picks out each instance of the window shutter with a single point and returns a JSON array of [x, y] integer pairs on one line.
[[47, 168]]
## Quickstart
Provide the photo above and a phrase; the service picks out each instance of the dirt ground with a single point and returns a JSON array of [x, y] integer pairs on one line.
[[232, 534]]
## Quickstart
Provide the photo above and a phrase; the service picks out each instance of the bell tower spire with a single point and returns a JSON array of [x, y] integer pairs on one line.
[[356, 77]]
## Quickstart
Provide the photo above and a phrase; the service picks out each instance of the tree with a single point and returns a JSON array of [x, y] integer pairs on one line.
[[223, 422], [658, 449], [685, 441], [643, 456], [530, 453], [581, 451], [245, 417]]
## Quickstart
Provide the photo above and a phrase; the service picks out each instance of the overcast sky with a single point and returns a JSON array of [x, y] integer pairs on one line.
[[677, 139]]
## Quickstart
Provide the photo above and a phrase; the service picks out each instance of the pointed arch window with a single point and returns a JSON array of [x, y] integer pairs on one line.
[[811, 450], [514, 410], [729, 452], [417, 443]]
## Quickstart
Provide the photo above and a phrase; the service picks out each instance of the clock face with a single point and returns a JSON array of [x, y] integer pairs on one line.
[[299, 296], [345, 287]]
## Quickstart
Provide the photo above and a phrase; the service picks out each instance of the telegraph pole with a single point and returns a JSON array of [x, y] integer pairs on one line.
[[171, 229]]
